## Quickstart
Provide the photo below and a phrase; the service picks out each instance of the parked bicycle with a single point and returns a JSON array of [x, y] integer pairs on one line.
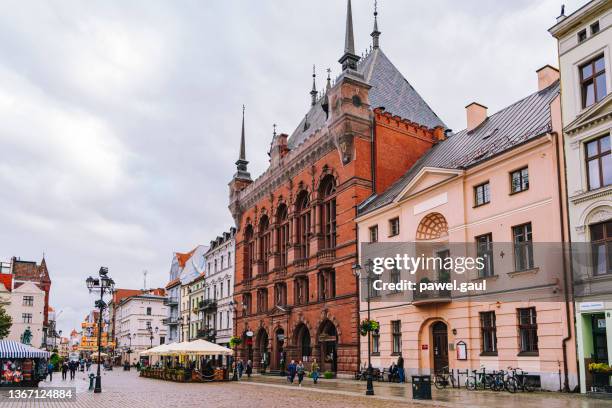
[[480, 379], [443, 379], [518, 380]]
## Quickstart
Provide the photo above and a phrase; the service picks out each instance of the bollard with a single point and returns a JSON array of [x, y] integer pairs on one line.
[[91, 381]]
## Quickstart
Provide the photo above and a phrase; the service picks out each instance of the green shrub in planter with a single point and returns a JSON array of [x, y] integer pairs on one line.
[[328, 375]]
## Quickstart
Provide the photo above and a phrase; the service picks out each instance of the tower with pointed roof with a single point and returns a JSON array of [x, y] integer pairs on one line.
[[295, 223], [242, 177]]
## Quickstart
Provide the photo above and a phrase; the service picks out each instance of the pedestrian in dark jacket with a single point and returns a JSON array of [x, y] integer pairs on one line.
[[73, 367], [400, 368], [240, 369], [300, 370], [64, 370], [249, 368], [291, 370]]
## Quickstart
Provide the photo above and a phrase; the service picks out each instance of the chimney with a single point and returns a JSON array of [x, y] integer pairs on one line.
[[476, 114], [547, 75]]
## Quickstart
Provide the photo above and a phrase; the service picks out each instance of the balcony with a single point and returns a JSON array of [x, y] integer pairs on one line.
[[435, 295], [326, 256], [300, 263], [171, 301], [207, 334], [207, 305], [170, 321], [280, 272]]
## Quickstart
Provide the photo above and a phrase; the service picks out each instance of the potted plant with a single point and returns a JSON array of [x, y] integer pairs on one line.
[[235, 341], [368, 326]]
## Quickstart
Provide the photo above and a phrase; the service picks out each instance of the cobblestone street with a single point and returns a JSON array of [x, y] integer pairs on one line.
[[123, 389]]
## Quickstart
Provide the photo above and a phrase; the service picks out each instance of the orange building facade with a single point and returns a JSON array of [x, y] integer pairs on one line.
[[296, 243]]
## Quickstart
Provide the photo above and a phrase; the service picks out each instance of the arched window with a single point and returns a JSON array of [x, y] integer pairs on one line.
[[432, 226], [327, 192], [249, 252], [303, 225], [264, 247], [282, 234]]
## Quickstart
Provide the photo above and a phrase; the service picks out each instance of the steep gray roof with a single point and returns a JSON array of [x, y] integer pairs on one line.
[[389, 89], [518, 123]]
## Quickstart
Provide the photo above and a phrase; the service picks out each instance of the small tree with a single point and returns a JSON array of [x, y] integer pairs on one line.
[[5, 322]]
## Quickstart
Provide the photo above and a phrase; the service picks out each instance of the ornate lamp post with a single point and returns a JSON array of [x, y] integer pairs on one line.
[[232, 306], [150, 330], [357, 269], [103, 284]]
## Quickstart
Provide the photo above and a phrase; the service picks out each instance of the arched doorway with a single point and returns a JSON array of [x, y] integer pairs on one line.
[[303, 342], [262, 352], [439, 333], [278, 356], [328, 346]]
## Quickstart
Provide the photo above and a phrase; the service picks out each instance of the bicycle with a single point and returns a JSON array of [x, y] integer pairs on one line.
[[518, 380], [442, 377], [480, 380]]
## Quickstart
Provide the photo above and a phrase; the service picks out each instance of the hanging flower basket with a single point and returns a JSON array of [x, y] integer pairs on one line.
[[235, 341], [367, 326]]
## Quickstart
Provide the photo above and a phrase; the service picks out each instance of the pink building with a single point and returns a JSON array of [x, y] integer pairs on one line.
[[498, 181]]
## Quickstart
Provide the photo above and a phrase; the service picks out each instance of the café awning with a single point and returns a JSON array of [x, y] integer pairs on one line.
[[13, 349], [157, 350], [197, 347]]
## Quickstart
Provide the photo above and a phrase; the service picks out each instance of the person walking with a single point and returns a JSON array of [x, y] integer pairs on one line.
[[88, 364], [73, 368], [64, 370], [291, 371], [400, 368], [50, 368], [314, 370], [249, 368], [240, 369], [299, 369]]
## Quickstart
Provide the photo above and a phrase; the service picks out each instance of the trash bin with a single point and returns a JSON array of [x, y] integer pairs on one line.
[[421, 387]]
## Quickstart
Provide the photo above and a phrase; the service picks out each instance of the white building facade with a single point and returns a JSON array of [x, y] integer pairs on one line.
[[139, 325], [216, 310], [584, 45], [27, 308]]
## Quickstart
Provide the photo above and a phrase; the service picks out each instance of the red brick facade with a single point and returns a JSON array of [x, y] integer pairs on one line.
[[276, 316]]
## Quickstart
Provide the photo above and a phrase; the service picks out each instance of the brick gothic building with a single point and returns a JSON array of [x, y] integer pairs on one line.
[[295, 292]]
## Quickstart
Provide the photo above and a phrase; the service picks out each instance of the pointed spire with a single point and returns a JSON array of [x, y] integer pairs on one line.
[[242, 144], [313, 93], [349, 59], [241, 163], [375, 33], [328, 86]]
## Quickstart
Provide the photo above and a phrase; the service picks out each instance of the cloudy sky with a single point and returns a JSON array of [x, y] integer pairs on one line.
[[119, 121]]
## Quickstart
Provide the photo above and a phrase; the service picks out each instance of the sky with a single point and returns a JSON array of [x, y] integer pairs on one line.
[[120, 121]]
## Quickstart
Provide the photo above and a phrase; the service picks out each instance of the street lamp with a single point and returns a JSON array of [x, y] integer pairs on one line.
[[232, 307], [357, 272], [104, 284], [150, 330]]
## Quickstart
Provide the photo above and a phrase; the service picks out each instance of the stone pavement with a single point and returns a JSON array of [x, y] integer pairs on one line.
[[126, 389]]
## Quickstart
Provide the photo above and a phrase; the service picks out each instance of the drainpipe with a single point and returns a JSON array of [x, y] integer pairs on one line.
[[358, 298], [566, 289]]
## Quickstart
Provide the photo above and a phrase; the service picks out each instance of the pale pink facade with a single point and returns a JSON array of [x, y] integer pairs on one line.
[[449, 192]]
